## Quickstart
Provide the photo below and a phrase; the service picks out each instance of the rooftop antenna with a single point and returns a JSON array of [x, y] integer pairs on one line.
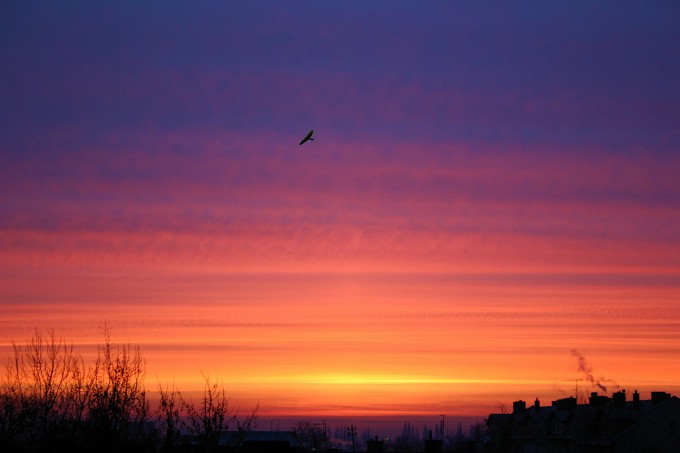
[[575, 385]]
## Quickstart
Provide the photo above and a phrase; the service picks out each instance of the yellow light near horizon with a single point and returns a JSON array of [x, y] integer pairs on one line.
[[348, 380]]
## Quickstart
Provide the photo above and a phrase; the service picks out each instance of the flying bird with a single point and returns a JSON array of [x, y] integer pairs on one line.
[[308, 137]]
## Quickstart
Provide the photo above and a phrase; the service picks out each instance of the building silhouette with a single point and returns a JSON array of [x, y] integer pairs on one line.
[[604, 424]]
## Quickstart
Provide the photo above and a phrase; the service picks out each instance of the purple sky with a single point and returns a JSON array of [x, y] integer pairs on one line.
[[551, 74]]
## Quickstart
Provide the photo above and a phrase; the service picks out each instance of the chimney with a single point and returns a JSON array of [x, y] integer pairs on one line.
[[599, 400], [432, 445], [593, 398], [620, 399], [537, 404], [636, 399], [375, 446], [519, 406]]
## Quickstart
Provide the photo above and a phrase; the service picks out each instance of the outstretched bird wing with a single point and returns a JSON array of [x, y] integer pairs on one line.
[[308, 137]]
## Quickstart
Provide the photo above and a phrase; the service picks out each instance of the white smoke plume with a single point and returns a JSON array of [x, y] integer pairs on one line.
[[587, 370]]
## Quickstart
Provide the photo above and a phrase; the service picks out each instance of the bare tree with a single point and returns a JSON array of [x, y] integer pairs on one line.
[[117, 404], [42, 394], [208, 419], [51, 402], [204, 420], [310, 435], [248, 423], [168, 417]]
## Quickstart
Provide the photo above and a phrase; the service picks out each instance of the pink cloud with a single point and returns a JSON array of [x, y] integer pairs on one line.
[[238, 201]]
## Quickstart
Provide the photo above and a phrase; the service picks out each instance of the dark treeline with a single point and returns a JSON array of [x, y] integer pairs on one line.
[[52, 401]]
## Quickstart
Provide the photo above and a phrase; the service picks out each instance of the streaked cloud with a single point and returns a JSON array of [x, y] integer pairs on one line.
[[488, 189]]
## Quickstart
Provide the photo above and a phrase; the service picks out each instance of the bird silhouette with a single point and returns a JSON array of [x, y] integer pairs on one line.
[[308, 137]]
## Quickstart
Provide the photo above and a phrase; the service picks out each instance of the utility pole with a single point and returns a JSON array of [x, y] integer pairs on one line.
[[352, 431], [442, 428], [324, 438]]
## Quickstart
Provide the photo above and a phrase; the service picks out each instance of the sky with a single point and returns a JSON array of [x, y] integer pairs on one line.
[[489, 210]]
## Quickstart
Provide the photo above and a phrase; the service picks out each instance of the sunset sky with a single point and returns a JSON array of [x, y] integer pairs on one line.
[[493, 192]]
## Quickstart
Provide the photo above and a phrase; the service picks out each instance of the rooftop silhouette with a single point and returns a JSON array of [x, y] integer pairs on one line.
[[602, 424]]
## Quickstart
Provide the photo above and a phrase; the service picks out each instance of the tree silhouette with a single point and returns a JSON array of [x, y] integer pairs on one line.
[[210, 417], [169, 422], [117, 404], [204, 420], [50, 401], [43, 395]]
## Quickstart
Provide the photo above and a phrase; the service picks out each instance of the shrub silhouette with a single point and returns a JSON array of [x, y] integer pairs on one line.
[[43, 395], [117, 407], [204, 420], [50, 401]]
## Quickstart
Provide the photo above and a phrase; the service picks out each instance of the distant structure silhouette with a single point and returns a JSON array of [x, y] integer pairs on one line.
[[308, 136], [602, 424]]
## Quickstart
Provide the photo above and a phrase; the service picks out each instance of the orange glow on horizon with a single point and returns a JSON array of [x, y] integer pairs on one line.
[[379, 344]]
